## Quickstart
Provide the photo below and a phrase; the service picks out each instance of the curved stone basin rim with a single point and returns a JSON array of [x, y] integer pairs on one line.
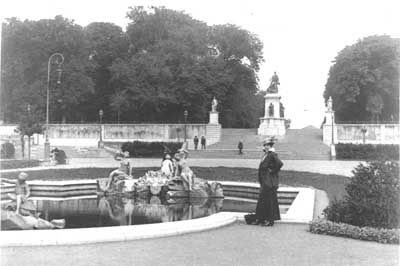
[[301, 211]]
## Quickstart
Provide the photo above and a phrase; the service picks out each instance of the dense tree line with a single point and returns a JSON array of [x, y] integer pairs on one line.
[[164, 63], [364, 81]]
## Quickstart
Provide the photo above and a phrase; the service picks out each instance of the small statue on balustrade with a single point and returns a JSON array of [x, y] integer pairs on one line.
[[214, 104]]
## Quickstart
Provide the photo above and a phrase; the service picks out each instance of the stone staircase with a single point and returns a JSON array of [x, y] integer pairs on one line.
[[298, 144], [231, 136]]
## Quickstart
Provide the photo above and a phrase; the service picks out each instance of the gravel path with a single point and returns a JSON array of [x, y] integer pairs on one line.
[[323, 167], [238, 244]]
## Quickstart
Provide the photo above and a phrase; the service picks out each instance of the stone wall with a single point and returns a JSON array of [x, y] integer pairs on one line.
[[89, 134], [152, 132], [353, 133]]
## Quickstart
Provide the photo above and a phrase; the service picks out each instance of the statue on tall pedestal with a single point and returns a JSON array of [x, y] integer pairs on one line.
[[273, 87], [214, 104]]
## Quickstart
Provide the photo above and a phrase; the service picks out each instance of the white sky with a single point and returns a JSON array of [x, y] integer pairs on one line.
[[301, 37]]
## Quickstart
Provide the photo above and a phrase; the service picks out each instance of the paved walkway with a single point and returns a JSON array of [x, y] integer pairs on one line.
[[314, 166], [238, 244]]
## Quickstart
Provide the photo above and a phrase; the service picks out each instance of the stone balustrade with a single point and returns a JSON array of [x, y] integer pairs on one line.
[[362, 133], [89, 134]]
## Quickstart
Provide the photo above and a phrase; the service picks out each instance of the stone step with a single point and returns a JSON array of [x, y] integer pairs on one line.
[[297, 144]]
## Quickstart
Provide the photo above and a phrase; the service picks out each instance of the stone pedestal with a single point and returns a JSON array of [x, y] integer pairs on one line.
[[272, 127], [272, 124], [329, 128], [214, 118], [329, 117]]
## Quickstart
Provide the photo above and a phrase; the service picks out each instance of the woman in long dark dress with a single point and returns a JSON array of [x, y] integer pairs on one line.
[[267, 210]]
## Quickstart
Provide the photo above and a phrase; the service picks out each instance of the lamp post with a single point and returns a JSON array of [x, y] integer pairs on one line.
[[28, 108], [364, 132], [59, 61], [185, 114], [101, 128], [333, 150], [333, 139]]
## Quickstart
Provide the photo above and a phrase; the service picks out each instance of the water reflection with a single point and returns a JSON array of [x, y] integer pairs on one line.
[[117, 210]]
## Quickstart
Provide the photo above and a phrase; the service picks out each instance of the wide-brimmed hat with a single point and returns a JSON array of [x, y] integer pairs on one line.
[[269, 142]]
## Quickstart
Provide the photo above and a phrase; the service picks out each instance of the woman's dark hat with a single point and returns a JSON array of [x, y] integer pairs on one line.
[[269, 142]]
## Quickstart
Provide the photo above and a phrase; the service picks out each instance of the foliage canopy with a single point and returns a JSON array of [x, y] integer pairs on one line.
[[364, 80], [164, 63]]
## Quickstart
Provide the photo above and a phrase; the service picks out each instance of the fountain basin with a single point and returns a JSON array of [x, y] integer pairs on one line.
[[300, 210]]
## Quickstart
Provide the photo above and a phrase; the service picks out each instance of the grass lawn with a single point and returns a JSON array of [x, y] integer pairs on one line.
[[333, 184], [16, 163]]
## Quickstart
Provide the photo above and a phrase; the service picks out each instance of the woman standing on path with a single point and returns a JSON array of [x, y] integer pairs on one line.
[[267, 210]]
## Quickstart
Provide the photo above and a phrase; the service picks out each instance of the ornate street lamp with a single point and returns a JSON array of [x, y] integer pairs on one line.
[[59, 60], [185, 114], [101, 128]]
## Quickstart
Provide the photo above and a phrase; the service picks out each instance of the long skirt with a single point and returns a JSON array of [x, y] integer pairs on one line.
[[267, 205]]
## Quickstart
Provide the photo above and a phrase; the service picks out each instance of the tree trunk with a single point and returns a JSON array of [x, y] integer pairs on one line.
[[22, 147]]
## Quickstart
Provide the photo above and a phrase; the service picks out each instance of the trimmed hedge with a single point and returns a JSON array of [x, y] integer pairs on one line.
[[367, 151], [7, 151], [150, 149], [373, 197], [381, 235], [14, 164]]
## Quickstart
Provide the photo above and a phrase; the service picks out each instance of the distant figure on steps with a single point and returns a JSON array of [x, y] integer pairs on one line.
[[240, 147], [196, 142], [203, 142]]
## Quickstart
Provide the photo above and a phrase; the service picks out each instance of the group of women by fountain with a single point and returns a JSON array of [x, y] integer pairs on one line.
[[175, 167]]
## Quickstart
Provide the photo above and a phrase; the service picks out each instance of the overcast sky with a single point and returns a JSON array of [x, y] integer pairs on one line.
[[301, 37]]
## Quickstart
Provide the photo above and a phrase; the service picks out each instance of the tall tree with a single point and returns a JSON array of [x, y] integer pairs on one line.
[[364, 80], [170, 68], [106, 42], [26, 49], [166, 62]]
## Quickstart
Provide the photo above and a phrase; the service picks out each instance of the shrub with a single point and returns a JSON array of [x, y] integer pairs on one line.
[[7, 151], [150, 149], [338, 211], [381, 235], [373, 197], [367, 151], [14, 164]]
